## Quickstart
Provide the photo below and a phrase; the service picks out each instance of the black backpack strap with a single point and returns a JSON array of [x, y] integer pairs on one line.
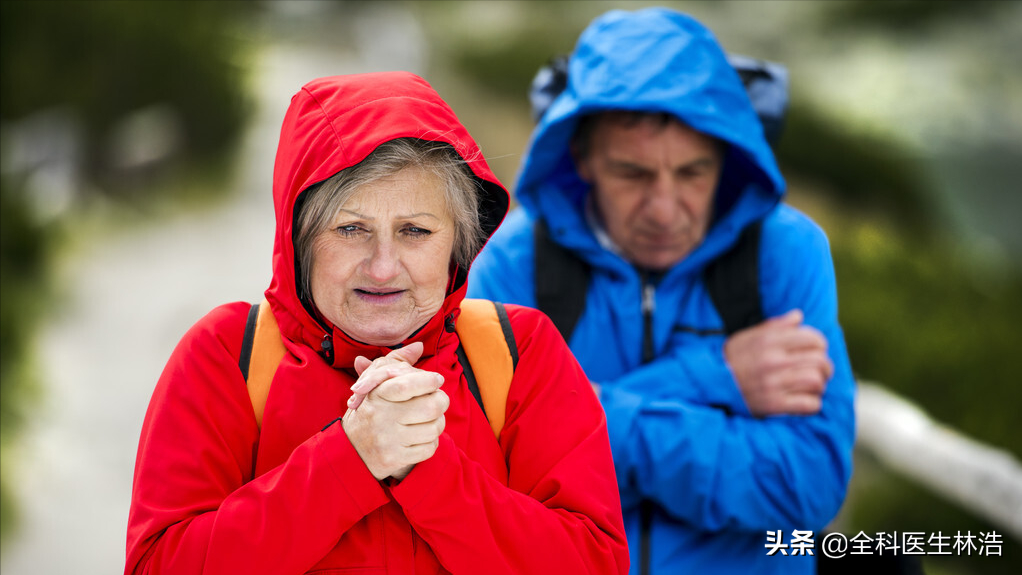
[[470, 378], [509, 334], [561, 279], [512, 347], [246, 342], [732, 281]]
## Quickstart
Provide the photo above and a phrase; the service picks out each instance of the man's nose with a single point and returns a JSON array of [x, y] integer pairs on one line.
[[661, 206], [382, 264]]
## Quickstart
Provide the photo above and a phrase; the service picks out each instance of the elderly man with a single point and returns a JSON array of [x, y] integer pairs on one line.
[[704, 310]]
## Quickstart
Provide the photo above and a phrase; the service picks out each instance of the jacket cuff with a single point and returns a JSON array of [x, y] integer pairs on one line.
[[422, 480], [622, 409], [363, 490], [706, 368]]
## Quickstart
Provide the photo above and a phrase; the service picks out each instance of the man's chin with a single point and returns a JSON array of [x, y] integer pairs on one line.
[[659, 260]]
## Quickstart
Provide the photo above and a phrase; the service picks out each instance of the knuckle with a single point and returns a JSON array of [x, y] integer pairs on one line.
[[368, 408], [387, 459], [433, 412], [813, 404], [818, 385], [443, 400], [771, 381], [773, 360], [394, 388]]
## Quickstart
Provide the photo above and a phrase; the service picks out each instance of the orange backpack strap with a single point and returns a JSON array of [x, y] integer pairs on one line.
[[488, 344], [261, 352]]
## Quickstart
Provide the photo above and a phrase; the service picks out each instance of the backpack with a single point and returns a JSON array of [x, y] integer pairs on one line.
[[488, 355]]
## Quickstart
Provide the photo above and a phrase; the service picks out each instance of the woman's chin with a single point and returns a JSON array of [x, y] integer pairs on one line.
[[382, 340], [384, 336], [383, 327]]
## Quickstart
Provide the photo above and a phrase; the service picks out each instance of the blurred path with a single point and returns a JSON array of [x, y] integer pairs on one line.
[[134, 294]]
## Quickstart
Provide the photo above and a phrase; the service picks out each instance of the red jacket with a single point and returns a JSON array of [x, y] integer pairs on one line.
[[215, 494]]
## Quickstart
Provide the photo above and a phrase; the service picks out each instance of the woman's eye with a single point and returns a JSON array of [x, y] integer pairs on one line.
[[348, 231], [417, 231]]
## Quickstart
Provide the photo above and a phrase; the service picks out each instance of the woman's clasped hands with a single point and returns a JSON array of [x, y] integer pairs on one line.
[[396, 412]]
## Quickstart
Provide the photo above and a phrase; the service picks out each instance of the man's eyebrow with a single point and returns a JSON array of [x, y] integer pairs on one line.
[[629, 164], [707, 161]]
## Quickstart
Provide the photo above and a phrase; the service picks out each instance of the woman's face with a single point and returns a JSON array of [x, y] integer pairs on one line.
[[380, 271]]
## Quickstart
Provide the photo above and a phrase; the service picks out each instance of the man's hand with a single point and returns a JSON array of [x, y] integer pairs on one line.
[[781, 366], [400, 419]]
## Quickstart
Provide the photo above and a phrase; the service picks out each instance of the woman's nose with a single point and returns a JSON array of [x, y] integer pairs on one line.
[[383, 263]]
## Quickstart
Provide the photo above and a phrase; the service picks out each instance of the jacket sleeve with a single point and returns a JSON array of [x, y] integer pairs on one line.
[[560, 512], [730, 470], [195, 508]]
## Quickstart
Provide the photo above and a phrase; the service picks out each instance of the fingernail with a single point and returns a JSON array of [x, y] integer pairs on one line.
[[439, 379]]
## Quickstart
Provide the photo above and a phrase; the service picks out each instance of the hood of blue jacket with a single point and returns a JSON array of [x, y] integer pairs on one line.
[[651, 60]]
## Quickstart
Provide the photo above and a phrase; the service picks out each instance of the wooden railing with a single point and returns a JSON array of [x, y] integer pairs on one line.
[[983, 479]]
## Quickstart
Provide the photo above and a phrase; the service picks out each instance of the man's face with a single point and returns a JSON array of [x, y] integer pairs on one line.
[[653, 185]]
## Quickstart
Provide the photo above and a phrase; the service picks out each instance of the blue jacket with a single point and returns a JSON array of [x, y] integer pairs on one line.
[[720, 478]]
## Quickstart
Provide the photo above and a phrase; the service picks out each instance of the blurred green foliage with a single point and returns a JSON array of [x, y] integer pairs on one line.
[[865, 174], [26, 247], [97, 62], [934, 323], [908, 16], [502, 63], [105, 59]]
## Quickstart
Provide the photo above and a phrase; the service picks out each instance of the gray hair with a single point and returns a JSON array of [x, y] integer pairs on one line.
[[320, 204]]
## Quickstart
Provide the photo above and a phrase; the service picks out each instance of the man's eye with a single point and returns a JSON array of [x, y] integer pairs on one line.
[[633, 175], [696, 172]]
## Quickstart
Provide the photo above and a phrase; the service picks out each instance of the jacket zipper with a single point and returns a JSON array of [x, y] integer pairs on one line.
[[648, 307], [648, 353]]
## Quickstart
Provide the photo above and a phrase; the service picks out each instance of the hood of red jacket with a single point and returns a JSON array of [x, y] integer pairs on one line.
[[334, 123]]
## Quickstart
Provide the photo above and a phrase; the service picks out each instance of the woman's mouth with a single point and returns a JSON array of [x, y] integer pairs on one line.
[[379, 296]]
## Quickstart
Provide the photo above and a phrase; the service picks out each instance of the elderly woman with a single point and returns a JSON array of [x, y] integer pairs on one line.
[[372, 455]]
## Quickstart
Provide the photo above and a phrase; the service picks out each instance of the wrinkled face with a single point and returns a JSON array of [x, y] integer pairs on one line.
[[653, 186], [379, 272]]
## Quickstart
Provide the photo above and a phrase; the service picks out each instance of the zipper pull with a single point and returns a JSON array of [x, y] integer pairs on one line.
[[327, 346], [648, 299], [648, 307]]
